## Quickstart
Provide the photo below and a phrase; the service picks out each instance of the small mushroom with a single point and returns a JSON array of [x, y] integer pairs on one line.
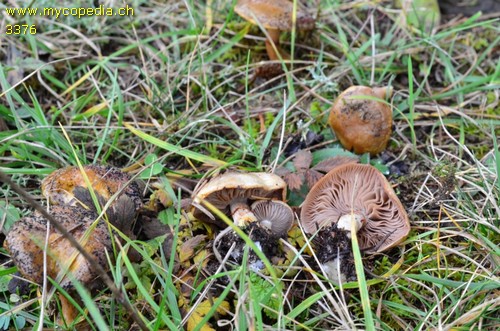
[[274, 215], [26, 241], [233, 192], [59, 186], [275, 16], [362, 192], [361, 123]]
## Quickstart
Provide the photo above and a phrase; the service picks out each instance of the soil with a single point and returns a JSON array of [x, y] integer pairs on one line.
[[266, 241], [331, 243]]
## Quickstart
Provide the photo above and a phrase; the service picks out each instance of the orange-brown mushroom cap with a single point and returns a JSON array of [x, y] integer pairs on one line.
[[357, 189], [59, 186], [26, 239], [361, 123], [273, 14]]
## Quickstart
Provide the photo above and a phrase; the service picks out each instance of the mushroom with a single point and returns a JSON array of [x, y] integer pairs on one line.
[[59, 186], [26, 243], [274, 215], [361, 192], [232, 193], [274, 16], [361, 123]]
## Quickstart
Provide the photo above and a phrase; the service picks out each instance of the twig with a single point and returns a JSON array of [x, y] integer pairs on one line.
[[97, 267]]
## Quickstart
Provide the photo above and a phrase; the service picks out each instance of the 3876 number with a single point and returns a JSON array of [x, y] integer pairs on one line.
[[18, 29]]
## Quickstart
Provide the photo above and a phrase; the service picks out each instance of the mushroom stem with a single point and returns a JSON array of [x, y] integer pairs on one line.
[[242, 215], [345, 223], [271, 43], [383, 92], [332, 271]]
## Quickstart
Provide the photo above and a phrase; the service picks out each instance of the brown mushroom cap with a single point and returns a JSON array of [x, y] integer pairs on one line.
[[274, 214], [357, 189], [273, 14], [26, 239], [362, 124], [233, 187], [59, 186]]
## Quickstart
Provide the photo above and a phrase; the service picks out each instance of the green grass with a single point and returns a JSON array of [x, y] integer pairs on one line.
[[161, 94]]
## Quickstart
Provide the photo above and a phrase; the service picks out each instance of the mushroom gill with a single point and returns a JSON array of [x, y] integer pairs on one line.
[[362, 191], [274, 215]]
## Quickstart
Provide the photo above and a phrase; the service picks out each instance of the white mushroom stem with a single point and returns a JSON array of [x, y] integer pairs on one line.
[[332, 271], [268, 224], [242, 215], [345, 223]]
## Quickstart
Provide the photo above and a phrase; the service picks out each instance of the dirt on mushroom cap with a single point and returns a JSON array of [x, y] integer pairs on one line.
[[362, 125], [26, 240], [106, 180], [363, 190]]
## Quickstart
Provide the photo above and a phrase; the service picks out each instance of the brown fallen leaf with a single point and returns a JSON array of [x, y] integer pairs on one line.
[[302, 161], [333, 162], [293, 181], [186, 249]]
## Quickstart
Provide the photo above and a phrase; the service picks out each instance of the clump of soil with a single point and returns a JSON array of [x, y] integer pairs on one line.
[[264, 239], [331, 243]]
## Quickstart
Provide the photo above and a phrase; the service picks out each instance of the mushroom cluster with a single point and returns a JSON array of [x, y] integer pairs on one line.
[[73, 208], [255, 202], [233, 193]]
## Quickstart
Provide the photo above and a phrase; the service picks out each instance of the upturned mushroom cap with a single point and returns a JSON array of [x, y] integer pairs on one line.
[[357, 189], [275, 215], [362, 124], [59, 186], [233, 187], [273, 14], [26, 239]]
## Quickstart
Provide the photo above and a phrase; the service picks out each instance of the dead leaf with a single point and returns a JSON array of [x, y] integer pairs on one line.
[[186, 250], [160, 196], [151, 227], [312, 177], [199, 312], [201, 258], [282, 171], [195, 319], [302, 160], [296, 238], [293, 181], [333, 162]]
